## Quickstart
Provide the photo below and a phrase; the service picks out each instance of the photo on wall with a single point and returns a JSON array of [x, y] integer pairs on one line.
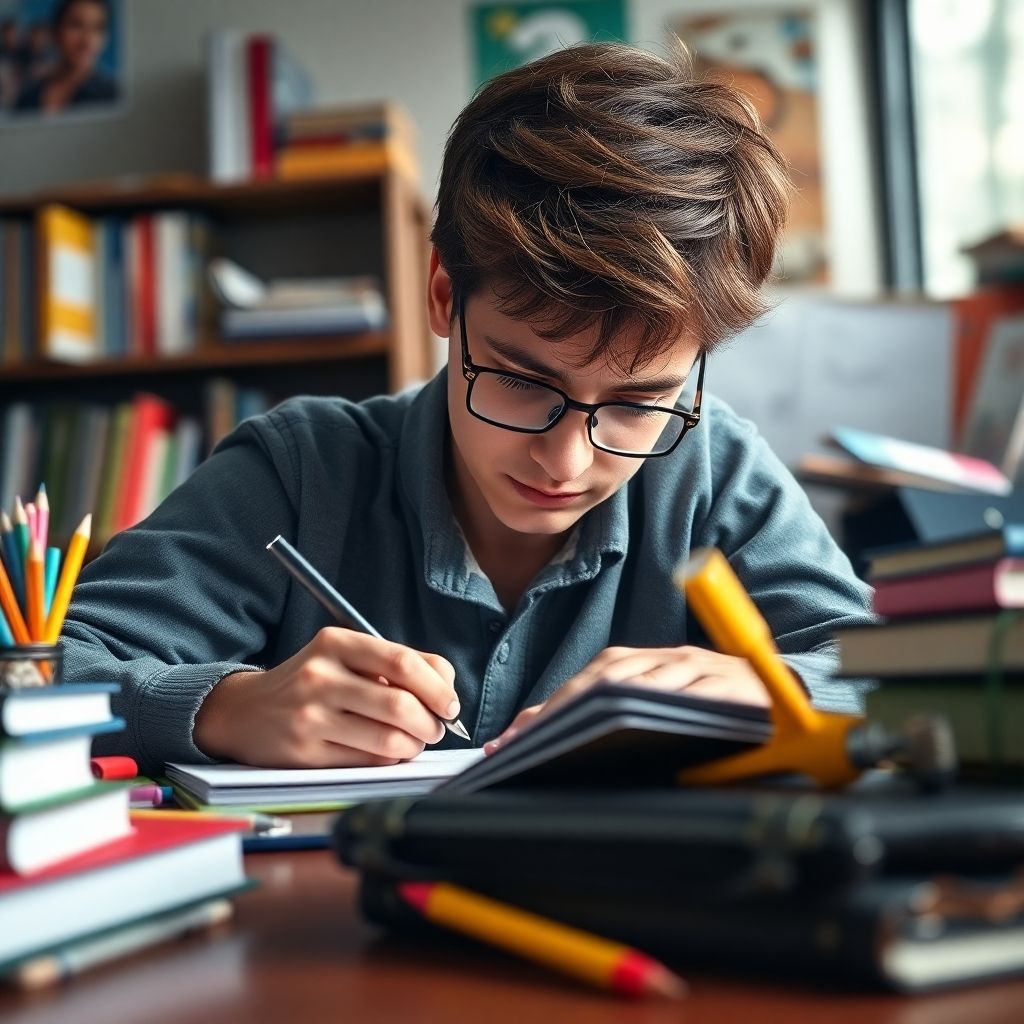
[[771, 56], [60, 58]]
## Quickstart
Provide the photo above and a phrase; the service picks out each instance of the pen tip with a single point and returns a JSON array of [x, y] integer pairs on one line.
[[273, 542], [459, 729]]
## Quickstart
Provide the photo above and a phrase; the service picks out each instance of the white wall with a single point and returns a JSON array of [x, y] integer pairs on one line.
[[417, 51]]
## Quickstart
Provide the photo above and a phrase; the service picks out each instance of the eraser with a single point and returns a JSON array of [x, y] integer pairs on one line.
[[114, 768]]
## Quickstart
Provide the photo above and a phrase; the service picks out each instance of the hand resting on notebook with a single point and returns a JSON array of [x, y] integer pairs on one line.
[[344, 700], [700, 672]]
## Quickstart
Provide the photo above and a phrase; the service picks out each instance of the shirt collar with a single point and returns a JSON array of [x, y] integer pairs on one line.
[[602, 536]]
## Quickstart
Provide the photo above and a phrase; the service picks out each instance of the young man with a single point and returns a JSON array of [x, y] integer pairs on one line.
[[602, 222]]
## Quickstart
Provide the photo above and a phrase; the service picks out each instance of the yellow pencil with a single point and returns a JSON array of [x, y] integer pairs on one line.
[[12, 611], [68, 577], [590, 958], [35, 591]]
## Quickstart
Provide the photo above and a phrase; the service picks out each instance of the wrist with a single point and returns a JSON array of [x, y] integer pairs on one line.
[[212, 730]]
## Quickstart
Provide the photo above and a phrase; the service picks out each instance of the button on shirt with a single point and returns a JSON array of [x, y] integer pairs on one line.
[[191, 595]]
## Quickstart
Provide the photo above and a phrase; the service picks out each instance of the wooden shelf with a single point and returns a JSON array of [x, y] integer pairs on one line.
[[211, 356], [337, 192]]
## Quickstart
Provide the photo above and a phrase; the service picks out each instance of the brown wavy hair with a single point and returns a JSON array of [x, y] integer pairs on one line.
[[605, 185]]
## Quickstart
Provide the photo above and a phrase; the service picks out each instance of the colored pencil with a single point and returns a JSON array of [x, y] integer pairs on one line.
[[21, 529], [11, 610], [6, 636], [30, 515], [68, 577], [590, 958], [35, 592], [53, 556], [261, 824], [13, 561], [50, 968], [42, 516]]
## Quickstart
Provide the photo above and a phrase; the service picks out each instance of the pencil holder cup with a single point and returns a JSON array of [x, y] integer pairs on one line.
[[25, 665]]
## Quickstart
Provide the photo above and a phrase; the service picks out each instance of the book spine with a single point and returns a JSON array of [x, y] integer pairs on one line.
[[260, 110], [975, 587]]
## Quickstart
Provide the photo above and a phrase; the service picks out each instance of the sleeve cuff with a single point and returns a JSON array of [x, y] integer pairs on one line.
[[164, 709], [828, 693]]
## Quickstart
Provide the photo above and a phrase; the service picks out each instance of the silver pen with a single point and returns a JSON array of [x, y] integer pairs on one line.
[[342, 611]]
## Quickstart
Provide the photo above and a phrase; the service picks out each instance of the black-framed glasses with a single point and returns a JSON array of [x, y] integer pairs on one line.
[[528, 406]]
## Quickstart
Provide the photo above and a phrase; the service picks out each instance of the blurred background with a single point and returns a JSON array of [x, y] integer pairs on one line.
[[208, 206]]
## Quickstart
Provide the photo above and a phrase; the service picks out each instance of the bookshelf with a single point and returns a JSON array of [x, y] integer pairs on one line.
[[373, 222]]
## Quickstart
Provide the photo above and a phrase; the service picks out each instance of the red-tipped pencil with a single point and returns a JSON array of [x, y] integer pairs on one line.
[[597, 961]]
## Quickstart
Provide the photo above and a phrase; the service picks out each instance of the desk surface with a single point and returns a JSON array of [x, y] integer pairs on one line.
[[297, 951]]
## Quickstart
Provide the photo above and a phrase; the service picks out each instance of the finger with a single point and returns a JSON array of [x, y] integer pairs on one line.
[[389, 705], [402, 666], [442, 666], [373, 737], [520, 722], [740, 690]]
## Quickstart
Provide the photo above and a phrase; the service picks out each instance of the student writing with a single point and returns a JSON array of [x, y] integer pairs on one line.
[[603, 222]]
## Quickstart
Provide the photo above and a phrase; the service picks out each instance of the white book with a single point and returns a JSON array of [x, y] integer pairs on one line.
[[228, 107], [227, 784], [173, 331]]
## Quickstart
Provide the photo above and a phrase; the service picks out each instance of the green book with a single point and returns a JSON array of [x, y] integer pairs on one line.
[[981, 730]]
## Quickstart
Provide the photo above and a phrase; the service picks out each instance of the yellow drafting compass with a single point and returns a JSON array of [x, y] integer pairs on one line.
[[830, 747]]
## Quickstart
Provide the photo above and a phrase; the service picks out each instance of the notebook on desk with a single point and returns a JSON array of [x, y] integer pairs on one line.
[[615, 735], [285, 789]]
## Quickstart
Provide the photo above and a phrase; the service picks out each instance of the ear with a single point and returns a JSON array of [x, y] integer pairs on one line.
[[439, 297]]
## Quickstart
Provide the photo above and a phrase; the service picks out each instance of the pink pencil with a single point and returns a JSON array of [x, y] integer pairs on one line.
[[42, 516], [33, 520]]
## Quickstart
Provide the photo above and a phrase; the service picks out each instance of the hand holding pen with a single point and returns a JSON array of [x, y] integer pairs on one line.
[[327, 707], [338, 606]]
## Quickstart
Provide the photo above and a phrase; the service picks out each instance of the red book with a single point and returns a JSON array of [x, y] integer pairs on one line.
[[983, 586], [150, 415], [144, 277], [259, 55], [160, 866]]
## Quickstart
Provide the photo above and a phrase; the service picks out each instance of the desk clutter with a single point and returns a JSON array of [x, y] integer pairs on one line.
[[781, 852]]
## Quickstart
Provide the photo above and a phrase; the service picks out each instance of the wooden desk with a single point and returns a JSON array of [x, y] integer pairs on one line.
[[297, 952]]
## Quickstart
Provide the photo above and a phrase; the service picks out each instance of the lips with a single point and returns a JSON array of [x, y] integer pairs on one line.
[[543, 498]]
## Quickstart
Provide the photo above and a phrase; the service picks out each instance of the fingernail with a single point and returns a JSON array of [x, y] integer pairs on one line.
[[453, 709], [491, 746]]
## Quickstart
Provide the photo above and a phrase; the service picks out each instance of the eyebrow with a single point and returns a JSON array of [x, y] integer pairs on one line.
[[651, 386]]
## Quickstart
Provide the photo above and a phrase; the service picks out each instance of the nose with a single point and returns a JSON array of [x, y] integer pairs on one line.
[[564, 452]]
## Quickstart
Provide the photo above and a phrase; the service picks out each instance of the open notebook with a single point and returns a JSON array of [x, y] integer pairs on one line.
[[284, 789]]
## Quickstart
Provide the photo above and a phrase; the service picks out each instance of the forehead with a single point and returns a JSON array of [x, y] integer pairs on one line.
[[573, 356]]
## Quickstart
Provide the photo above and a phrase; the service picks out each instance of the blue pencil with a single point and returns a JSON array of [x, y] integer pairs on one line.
[[6, 636], [52, 574]]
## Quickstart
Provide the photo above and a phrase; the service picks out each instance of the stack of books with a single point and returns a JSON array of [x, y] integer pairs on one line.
[[346, 140], [295, 307], [951, 642], [73, 864]]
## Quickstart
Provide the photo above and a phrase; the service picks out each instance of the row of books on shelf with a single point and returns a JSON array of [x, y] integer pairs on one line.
[[76, 288], [118, 460], [79, 874], [263, 123], [950, 641]]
